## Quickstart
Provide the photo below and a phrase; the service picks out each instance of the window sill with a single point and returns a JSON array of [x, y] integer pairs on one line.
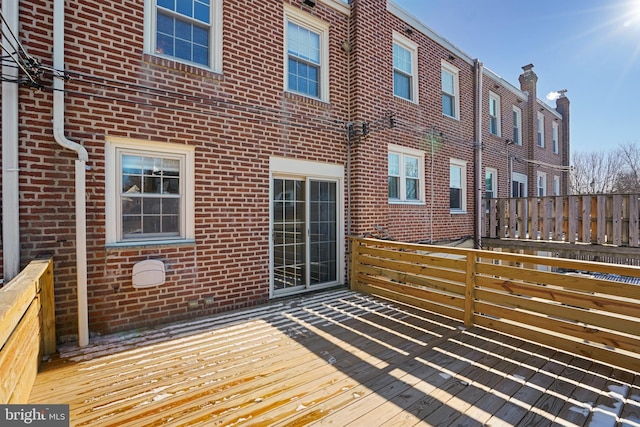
[[458, 212], [446, 116], [186, 67], [307, 99], [149, 244], [402, 99], [407, 202]]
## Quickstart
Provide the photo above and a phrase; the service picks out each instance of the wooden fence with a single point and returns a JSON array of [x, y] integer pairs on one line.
[[595, 219], [547, 300], [27, 329]]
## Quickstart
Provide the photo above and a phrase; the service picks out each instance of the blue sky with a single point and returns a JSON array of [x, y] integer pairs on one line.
[[589, 47]]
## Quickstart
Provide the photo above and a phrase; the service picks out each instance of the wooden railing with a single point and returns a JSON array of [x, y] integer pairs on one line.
[[546, 300], [27, 329], [595, 219]]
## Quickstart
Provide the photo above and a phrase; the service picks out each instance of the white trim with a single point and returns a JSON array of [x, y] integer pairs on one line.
[[540, 130], [112, 194], [463, 183], [341, 6], [541, 176], [411, 152], [304, 169], [518, 112], [299, 17], [215, 36], [411, 20], [456, 88], [494, 172], [495, 97], [521, 179], [413, 48]]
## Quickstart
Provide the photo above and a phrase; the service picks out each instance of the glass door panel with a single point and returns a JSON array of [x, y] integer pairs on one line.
[[322, 233], [289, 231]]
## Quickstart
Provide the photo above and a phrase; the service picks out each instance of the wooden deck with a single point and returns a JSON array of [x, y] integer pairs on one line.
[[338, 358]]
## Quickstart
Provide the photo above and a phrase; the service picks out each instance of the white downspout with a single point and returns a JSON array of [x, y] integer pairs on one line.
[[80, 173], [10, 149], [478, 154]]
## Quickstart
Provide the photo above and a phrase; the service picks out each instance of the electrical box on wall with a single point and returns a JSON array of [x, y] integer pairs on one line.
[[147, 273]]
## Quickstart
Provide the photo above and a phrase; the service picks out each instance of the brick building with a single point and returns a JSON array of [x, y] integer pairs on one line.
[[235, 145]]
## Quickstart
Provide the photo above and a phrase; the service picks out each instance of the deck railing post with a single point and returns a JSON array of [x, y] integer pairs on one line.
[[48, 315], [470, 287], [355, 262]]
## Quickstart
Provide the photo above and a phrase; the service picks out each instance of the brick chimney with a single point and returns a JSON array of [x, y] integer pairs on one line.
[[562, 107], [528, 83]]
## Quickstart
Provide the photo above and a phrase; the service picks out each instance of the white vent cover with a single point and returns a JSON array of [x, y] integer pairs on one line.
[[148, 273]]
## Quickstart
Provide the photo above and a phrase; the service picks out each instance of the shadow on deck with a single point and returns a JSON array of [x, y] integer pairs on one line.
[[339, 358]]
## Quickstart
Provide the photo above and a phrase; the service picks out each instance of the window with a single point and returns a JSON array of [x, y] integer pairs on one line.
[[405, 68], [406, 174], [306, 63], [450, 91], [555, 138], [494, 114], [490, 185], [519, 183], [185, 30], [457, 186], [540, 130], [556, 185], [542, 184], [149, 192], [517, 125]]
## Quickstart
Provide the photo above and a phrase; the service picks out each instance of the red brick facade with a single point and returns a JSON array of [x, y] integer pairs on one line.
[[238, 119]]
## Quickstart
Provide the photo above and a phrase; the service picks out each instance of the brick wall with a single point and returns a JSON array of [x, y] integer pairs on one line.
[[236, 120]]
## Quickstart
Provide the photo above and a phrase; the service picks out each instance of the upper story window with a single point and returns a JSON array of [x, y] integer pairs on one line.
[[517, 125], [185, 30], [406, 174], [494, 114], [306, 62], [150, 192], [405, 68], [540, 127], [457, 186], [450, 91], [555, 138]]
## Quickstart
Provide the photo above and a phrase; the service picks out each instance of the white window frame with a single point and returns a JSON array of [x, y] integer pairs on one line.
[[304, 169], [113, 189], [318, 26], [413, 49], [517, 126], [555, 137], [455, 72], [541, 184], [462, 165], [404, 152], [494, 181], [540, 130], [495, 98], [556, 185], [215, 35], [521, 179]]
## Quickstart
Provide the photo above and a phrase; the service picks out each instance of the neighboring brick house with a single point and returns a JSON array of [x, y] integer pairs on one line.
[[238, 144]]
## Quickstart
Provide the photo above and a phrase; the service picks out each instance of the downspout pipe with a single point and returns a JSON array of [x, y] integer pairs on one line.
[[10, 149], [80, 172], [478, 67]]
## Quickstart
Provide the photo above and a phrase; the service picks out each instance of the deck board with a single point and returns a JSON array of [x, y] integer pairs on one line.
[[333, 358]]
